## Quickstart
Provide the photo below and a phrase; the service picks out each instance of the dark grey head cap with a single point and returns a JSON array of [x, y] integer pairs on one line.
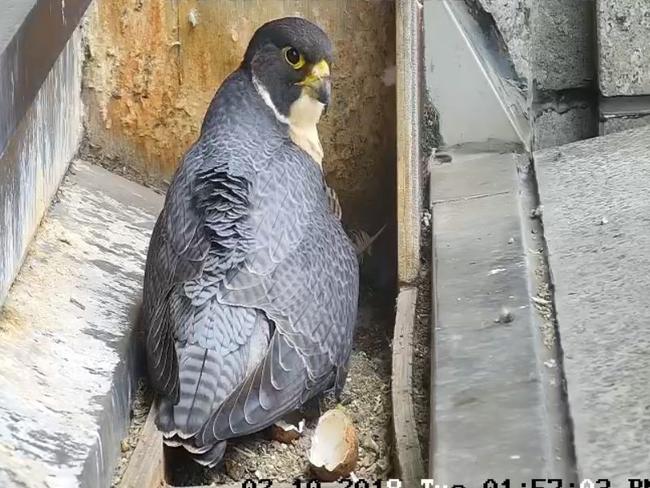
[[305, 36]]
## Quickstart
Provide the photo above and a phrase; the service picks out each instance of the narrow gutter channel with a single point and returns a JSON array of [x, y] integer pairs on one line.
[[561, 454]]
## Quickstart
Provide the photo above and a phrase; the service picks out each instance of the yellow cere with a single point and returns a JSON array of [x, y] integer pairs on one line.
[[319, 71]]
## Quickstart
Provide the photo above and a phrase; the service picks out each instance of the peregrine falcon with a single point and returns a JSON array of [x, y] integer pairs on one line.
[[251, 284]]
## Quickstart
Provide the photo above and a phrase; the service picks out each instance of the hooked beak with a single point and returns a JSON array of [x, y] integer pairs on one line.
[[318, 83]]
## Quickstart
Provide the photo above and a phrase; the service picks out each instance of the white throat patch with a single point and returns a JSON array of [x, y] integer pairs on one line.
[[266, 96], [304, 115]]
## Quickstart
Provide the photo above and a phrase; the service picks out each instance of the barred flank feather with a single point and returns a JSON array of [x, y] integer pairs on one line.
[[363, 241]]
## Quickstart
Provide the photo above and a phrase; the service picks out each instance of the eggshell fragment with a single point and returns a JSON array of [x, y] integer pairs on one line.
[[285, 432], [334, 446]]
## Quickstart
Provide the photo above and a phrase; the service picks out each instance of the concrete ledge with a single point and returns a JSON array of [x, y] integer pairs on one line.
[[492, 418], [611, 125], [596, 225], [37, 155], [622, 113], [32, 35], [66, 328]]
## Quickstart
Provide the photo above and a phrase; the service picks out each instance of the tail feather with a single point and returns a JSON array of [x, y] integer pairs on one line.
[[200, 372], [213, 456], [200, 369], [207, 377], [277, 386]]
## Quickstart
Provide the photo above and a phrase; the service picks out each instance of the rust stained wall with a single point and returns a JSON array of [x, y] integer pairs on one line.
[[153, 66]]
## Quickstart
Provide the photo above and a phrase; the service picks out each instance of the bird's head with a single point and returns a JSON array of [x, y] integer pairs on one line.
[[290, 61]]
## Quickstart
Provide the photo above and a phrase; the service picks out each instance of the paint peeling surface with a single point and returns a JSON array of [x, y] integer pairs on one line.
[[66, 331], [37, 156], [153, 67]]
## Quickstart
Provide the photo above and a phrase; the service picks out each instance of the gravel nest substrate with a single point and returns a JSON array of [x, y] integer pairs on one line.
[[422, 358], [139, 412], [366, 399]]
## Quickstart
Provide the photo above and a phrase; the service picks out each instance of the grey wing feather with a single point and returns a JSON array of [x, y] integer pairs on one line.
[[199, 234], [246, 227], [305, 279], [162, 364]]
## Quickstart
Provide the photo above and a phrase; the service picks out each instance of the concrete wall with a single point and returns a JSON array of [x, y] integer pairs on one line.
[[562, 47], [624, 57], [32, 36], [562, 52], [562, 78], [513, 20], [152, 68], [623, 28], [36, 158]]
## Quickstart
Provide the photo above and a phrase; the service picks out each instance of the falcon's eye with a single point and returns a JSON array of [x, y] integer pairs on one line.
[[293, 57]]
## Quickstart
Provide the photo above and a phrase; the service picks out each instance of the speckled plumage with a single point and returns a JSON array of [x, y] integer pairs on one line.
[[251, 284]]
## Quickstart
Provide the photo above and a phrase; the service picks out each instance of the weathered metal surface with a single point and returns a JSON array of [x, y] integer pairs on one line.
[[152, 68], [471, 82], [37, 156], [32, 35], [66, 331]]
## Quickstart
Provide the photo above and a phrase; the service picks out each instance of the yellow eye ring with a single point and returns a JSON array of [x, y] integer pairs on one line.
[[293, 57]]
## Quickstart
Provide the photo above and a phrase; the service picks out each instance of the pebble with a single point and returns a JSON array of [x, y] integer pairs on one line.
[[370, 443], [505, 316], [381, 466]]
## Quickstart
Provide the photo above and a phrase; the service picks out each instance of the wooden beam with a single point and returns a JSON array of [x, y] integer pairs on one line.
[[146, 467], [408, 83], [408, 453]]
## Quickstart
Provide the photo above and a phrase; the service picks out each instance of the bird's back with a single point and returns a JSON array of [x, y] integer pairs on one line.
[[251, 284]]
